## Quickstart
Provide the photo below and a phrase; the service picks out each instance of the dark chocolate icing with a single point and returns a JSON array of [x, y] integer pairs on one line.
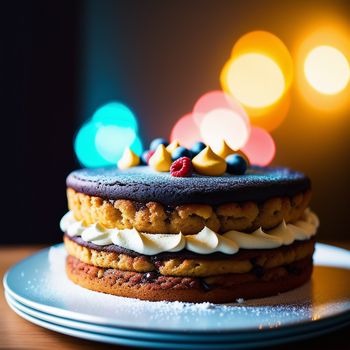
[[142, 184]]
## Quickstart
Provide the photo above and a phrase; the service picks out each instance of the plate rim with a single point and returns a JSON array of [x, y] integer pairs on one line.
[[167, 345], [185, 337], [88, 318], [170, 345]]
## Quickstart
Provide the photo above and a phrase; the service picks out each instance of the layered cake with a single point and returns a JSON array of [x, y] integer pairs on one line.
[[188, 230]]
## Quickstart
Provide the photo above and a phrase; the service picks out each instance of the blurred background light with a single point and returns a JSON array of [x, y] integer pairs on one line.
[[254, 79], [260, 148], [186, 131], [84, 146], [137, 146], [214, 100], [327, 70], [270, 118], [268, 44], [115, 113], [259, 74], [323, 72], [111, 140], [102, 140], [224, 124]]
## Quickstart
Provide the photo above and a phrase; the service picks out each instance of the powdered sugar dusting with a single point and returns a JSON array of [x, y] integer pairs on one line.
[[45, 282]]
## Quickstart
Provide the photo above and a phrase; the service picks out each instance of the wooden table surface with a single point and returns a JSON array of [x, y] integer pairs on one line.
[[17, 333]]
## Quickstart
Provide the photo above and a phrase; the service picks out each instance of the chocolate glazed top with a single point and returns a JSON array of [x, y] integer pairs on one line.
[[142, 184]]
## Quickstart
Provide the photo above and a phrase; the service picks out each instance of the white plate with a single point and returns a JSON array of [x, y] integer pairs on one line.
[[40, 283], [160, 343], [171, 337]]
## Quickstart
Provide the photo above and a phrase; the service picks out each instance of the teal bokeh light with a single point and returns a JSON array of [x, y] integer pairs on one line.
[[103, 139], [85, 148], [137, 146], [111, 140], [115, 113]]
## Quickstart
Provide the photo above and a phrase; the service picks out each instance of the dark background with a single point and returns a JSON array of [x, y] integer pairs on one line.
[[60, 60]]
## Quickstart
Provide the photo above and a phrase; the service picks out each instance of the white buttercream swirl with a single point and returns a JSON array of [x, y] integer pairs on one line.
[[204, 242]]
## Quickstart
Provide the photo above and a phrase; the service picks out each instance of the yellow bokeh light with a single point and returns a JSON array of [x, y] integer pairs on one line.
[[266, 43], [327, 70], [254, 79], [264, 82], [322, 67]]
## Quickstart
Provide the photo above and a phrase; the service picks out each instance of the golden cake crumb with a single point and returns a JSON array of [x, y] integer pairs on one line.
[[153, 217], [200, 267]]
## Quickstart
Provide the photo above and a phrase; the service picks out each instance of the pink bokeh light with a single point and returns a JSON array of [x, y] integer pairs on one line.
[[224, 124], [260, 147], [216, 99], [186, 131]]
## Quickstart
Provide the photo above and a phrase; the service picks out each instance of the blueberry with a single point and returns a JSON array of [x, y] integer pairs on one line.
[[192, 154], [198, 147], [236, 164], [180, 152], [156, 142]]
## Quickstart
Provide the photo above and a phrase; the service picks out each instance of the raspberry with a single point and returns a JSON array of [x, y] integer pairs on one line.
[[182, 167], [148, 155]]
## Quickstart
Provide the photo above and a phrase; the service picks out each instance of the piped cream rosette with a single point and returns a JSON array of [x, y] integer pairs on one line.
[[204, 242]]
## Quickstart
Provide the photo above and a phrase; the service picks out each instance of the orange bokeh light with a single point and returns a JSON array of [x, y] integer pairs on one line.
[[254, 79], [335, 37], [262, 79], [270, 118], [327, 70], [268, 44]]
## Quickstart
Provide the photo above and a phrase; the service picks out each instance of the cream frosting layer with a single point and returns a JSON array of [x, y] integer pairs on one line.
[[204, 242]]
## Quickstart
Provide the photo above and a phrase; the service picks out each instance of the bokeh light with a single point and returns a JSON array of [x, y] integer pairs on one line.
[[111, 140], [84, 146], [259, 74], [254, 79], [137, 146], [270, 118], [102, 140], [268, 44], [115, 113], [186, 131], [327, 69], [260, 148], [224, 124], [214, 100], [323, 73]]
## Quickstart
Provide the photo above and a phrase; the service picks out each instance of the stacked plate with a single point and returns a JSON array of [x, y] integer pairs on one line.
[[38, 290]]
